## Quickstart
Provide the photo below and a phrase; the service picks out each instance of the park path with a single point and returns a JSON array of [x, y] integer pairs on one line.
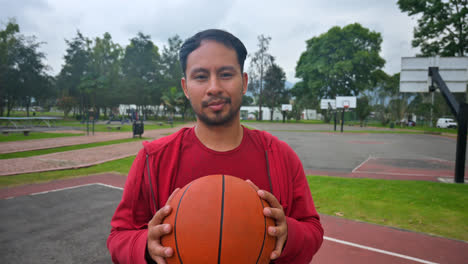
[[77, 158], [27, 145]]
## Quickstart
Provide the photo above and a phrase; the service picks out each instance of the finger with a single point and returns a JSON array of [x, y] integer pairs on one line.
[[277, 231], [159, 251], [156, 232], [270, 198], [278, 248], [160, 215], [275, 213], [172, 195], [253, 185]]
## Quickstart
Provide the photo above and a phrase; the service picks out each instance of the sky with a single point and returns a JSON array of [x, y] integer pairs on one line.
[[289, 23]]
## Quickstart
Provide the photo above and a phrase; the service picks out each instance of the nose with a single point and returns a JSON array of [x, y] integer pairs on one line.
[[214, 87]]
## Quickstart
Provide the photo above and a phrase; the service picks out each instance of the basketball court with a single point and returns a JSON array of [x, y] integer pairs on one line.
[[36, 228]]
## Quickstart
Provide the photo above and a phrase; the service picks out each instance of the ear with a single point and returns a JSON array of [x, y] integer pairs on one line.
[[183, 83], [245, 82]]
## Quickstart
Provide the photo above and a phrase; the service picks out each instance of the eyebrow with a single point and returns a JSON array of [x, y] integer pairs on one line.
[[204, 70]]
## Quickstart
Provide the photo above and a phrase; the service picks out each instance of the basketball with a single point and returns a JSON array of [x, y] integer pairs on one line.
[[218, 219]]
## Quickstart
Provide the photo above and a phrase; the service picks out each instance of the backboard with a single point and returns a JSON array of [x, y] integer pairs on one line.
[[324, 103], [349, 101], [286, 107], [414, 75]]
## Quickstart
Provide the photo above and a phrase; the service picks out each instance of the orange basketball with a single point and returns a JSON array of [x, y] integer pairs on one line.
[[218, 219]]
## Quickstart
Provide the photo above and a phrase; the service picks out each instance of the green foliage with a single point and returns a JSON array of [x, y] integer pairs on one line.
[[442, 26], [247, 100], [31, 153], [259, 63], [274, 91], [363, 109], [33, 135], [23, 73], [342, 61], [429, 207], [173, 98]]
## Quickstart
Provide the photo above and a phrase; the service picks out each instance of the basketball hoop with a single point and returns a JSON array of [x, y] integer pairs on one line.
[[345, 104]]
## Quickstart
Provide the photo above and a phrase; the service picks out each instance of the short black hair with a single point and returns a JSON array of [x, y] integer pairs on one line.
[[220, 36]]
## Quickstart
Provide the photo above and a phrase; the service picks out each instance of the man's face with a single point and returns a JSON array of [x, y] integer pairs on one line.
[[214, 83]]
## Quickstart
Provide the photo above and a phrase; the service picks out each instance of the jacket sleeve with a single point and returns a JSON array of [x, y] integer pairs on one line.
[[305, 233], [128, 238]]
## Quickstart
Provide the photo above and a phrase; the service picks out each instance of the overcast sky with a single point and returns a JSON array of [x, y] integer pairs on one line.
[[289, 23]]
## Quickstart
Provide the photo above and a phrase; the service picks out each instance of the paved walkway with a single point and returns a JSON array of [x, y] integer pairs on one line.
[[75, 158]]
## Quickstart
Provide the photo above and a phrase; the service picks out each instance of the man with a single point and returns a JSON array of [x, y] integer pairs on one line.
[[214, 82]]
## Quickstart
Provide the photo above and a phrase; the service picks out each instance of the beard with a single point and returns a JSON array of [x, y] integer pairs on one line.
[[220, 118]]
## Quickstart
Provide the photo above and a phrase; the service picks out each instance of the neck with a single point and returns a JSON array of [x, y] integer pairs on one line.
[[220, 138]]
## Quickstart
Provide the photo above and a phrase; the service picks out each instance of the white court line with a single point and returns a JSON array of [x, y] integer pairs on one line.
[[77, 186], [110, 186], [378, 250], [360, 165], [404, 174]]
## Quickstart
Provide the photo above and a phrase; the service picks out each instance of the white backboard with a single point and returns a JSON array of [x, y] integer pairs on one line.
[[414, 75], [286, 107], [346, 100], [324, 103]]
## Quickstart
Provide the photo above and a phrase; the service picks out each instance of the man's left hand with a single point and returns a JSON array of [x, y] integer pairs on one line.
[[276, 212]]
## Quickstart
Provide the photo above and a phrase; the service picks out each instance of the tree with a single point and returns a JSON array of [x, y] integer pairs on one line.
[[247, 100], [172, 71], [101, 81], [259, 63], [442, 26], [141, 68], [22, 70], [274, 91], [69, 80], [363, 109], [173, 99], [341, 61]]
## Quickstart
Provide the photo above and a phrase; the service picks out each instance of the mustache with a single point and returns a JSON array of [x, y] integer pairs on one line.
[[226, 100]]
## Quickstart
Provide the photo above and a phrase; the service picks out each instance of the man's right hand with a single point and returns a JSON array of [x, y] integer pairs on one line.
[[156, 230]]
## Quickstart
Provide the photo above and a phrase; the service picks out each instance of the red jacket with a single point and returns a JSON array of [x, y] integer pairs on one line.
[[128, 237]]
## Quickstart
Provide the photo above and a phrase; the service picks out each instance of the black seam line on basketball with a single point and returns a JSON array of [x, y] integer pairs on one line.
[[221, 224], [264, 233], [151, 185], [175, 225]]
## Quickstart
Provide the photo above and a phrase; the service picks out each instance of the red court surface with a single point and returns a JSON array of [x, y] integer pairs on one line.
[[345, 241]]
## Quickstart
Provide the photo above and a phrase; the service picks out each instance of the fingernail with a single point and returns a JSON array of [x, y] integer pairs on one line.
[[267, 211], [272, 230], [261, 193], [167, 208], [167, 227], [273, 255], [167, 252]]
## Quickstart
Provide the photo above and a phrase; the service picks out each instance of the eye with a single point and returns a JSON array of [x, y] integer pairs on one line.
[[200, 77], [226, 75]]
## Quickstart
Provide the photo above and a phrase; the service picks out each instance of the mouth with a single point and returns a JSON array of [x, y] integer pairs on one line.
[[216, 104]]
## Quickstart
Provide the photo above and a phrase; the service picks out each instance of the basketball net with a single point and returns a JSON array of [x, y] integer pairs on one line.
[[345, 105]]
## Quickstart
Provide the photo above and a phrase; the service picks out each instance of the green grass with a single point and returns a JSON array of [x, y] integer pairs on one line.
[[34, 135], [429, 207], [352, 131], [127, 127], [31, 153], [121, 166]]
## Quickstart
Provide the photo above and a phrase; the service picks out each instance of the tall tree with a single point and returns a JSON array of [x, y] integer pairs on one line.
[[442, 26], [101, 81], [172, 72], [22, 69], [341, 61], [274, 92], [141, 68], [259, 63], [76, 66], [8, 50]]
